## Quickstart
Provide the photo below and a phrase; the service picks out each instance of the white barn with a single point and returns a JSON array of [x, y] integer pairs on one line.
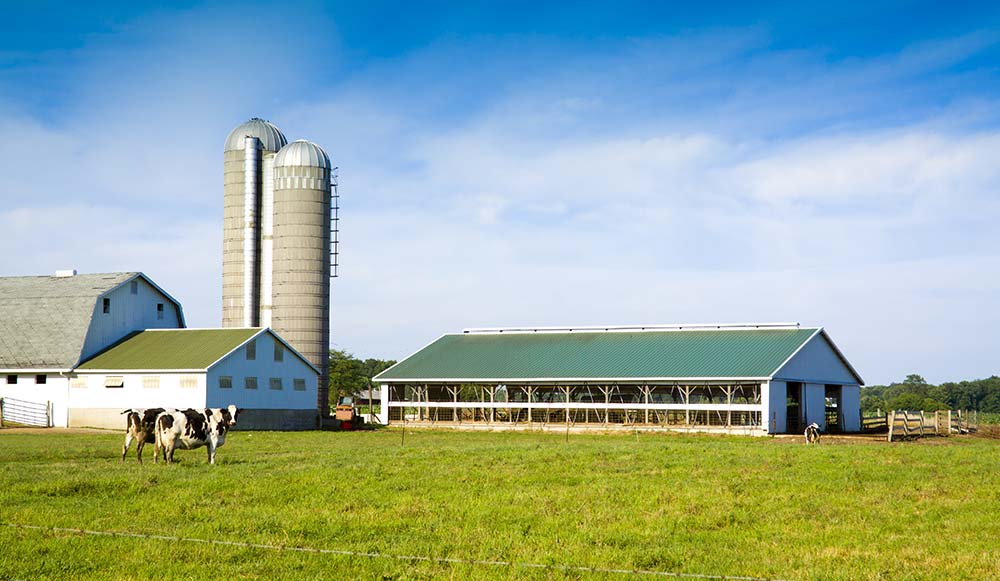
[[82, 348], [741, 378], [50, 324], [254, 369]]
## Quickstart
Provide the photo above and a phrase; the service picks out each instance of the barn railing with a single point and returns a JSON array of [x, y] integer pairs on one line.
[[25, 413]]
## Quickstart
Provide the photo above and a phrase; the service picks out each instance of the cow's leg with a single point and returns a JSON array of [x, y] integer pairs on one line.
[[128, 442], [210, 445], [141, 441]]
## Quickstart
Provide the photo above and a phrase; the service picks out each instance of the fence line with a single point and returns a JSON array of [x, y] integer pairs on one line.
[[28, 413], [916, 424], [372, 555]]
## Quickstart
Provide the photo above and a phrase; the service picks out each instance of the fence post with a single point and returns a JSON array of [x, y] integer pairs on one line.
[[1, 412], [891, 420], [922, 420], [48, 414]]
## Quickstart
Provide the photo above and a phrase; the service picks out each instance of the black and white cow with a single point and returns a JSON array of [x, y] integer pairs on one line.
[[140, 425], [193, 429], [812, 433]]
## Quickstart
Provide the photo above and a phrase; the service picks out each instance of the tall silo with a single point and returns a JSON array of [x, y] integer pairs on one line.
[[300, 262], [249, 155]]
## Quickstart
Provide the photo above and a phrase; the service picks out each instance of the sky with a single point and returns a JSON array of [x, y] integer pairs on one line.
[[538, 164]]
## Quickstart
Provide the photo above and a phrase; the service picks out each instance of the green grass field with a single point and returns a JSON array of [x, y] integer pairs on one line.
[[668, 503]]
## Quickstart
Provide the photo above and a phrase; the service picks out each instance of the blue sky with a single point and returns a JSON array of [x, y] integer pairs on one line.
[[539, 164]]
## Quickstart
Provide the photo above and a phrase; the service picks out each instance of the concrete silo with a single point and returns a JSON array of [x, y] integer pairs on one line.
[[276, 241], [300, 271], [249, 153]]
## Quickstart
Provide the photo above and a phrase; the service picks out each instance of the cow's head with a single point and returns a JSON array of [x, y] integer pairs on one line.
[[229, 415]]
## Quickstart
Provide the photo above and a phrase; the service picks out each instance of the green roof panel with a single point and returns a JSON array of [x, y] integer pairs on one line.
[[724, 353], [170, 349]]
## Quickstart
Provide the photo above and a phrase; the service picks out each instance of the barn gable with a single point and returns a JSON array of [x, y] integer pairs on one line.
[[818, 361]]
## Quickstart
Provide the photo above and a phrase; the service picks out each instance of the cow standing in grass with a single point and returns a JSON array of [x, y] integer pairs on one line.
[[812, 433], [140, 425], [193, 429]]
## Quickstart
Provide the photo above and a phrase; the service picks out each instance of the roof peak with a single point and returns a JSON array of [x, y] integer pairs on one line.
[[635, 328]]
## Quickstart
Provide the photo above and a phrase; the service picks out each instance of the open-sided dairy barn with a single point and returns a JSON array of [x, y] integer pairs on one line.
[[741, 378]]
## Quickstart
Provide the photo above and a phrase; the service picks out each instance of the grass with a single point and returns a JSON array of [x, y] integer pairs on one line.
[[671, 503]]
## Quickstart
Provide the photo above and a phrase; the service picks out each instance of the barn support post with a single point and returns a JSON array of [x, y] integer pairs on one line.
[[645, 395], [566, 389]]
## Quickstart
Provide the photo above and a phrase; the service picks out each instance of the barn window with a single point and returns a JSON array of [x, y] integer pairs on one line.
[[299, 384], [114, 381], [41, 379], [225, 382], [276, 383], [134, 287], [252, 350], [106, 306], [11, 379], [250, 382], [279, 351], [159, 311], [151, 381], [78, 382], [189, 381]]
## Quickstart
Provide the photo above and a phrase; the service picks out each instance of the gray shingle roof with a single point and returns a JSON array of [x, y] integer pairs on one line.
[[44, 319]]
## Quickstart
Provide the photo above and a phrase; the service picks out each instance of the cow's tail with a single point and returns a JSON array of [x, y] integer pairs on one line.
[[158, 442]]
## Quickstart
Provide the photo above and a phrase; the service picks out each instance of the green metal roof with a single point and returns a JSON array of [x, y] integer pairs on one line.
[[170, 349], [541, 356]]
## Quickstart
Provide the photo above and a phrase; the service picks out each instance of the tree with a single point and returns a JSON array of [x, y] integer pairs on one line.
[[350, 376]]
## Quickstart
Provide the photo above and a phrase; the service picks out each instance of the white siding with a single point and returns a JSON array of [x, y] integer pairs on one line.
[[814, 400], [263, 368], [129, 313], [777, 407], [816, 362], [134, 395], [850, 406], [53, 390]]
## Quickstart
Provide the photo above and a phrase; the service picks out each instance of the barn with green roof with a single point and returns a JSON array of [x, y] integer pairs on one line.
[[741, 378]]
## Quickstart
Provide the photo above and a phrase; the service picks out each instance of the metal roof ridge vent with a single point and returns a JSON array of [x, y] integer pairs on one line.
[[66, 273], [633, 328]]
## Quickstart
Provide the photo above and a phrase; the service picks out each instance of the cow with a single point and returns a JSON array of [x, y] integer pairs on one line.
[[193, 428], [812, 433], [140, 426]]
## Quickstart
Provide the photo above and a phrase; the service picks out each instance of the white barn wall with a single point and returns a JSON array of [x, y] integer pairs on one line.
[[816, 362], [814, 400], [54, 390], [95, 405], [129, 313], [777, 408], [850, 405], [266, 408]]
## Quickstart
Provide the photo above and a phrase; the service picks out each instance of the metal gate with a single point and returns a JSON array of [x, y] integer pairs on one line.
[[25, 413]]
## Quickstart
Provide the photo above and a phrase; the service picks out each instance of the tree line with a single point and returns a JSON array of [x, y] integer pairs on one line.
[[914, 393]]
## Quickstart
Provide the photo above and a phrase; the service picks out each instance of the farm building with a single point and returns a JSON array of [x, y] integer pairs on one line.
[[746, 378], [198, 368], [75, 350], [50, 324]]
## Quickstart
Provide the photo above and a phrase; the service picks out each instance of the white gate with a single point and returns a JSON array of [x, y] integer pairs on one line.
[[26, 413]]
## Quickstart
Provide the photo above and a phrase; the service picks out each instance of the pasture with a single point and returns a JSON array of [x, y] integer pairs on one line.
[[680, 504]]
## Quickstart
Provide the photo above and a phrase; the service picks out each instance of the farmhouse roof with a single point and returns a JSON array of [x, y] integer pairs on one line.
[[651, 353], [44, 319], [177, 349]]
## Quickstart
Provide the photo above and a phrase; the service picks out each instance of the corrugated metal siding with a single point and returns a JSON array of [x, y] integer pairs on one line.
[[670, 354]]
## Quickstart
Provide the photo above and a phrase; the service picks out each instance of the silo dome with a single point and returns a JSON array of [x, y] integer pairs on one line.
[[302, 153], [271, 138]]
